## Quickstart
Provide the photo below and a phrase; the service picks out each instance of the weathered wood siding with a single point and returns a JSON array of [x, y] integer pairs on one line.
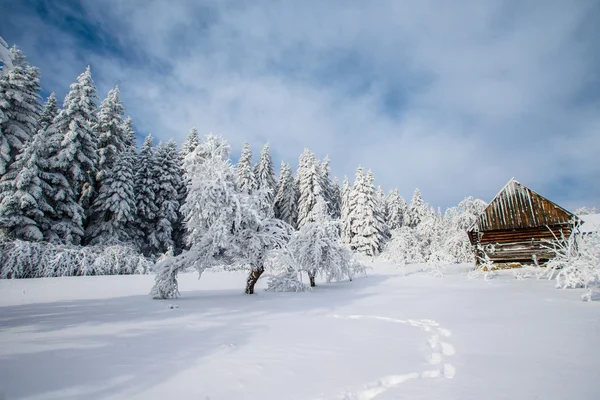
[[517, 223], [519, 246]]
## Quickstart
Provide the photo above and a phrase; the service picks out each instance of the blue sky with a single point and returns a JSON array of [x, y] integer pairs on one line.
[[452, 97]]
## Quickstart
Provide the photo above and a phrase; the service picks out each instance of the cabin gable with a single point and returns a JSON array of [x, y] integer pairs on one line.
[[517, 224]]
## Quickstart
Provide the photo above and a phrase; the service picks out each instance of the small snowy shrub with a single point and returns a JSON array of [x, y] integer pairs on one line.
[[21, 259], [287, 281], [435, 240], [486, 266], [285, 272], [577, 261], [405, 247], [317, 248]]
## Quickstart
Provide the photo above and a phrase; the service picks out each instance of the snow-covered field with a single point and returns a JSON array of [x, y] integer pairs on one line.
[[385, 336]]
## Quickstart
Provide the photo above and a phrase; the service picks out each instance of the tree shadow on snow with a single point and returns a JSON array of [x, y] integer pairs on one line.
[[120, 346]]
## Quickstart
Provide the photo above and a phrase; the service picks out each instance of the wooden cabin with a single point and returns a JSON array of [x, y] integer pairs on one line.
[[512, 228]]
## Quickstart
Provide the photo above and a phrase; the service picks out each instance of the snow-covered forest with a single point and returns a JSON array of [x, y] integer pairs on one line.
[[73, 182], [77, 197]]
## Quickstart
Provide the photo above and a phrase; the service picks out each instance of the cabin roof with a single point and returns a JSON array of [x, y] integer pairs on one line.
[[516, 206]]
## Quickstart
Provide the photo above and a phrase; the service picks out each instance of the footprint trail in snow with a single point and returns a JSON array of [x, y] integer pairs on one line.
[[440, 349]]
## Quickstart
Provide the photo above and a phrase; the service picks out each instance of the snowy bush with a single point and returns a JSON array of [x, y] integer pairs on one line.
[[405, 247], [21, 259], [435, 240], [315, 249], [287, 280], [485, 266], [577, 261]]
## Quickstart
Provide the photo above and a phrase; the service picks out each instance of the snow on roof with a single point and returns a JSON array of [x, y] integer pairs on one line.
[[590, 223], [517, 207]]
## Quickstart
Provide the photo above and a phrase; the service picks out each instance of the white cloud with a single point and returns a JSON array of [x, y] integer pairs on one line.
[[488, 90]]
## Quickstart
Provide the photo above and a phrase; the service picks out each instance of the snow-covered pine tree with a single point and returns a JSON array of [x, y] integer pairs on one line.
[[19, 107], [245, 174], [49, 113], [73, 141], [5, 58], [310, 187], [113, 211], [190, 142], [396, 210], [26, 189], [430, 234], [417, 210], [317, 248], [167, 196], [129, 133], [456, 221], [286, 201], [145, 189], [380, 211], [72, 149], [336, 199], [326, 185], [265, 176], [365, 229], [225, 225], [381, 201], [112, 138], [212, 145], [345, 211]]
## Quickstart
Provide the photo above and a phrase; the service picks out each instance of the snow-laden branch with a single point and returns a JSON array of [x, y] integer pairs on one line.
[[5, 57], [225, 225]]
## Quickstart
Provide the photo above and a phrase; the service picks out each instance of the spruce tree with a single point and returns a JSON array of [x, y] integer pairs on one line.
[[309, 186], [114, 210], [327, 186], [380, 212], [167, 195], [396, 210], [5, 58], [26, 190], [190, 143], [345, 211], [109, 130], [73, 139], [49, 113], [145, 189], [417, 210], [336, 199], [286, 201], [129, 133], [19, 107], [265, 176], [365, 229], [73, 155], [246, 179]]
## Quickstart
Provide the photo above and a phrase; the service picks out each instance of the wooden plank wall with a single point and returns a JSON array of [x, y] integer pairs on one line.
[[519, 246]]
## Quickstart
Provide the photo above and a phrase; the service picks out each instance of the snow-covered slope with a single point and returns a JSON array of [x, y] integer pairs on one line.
[[591, 223], [385, 336]]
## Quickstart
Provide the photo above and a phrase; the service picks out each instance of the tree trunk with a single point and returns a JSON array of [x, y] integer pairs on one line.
[[253, 278], [311, 277]]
